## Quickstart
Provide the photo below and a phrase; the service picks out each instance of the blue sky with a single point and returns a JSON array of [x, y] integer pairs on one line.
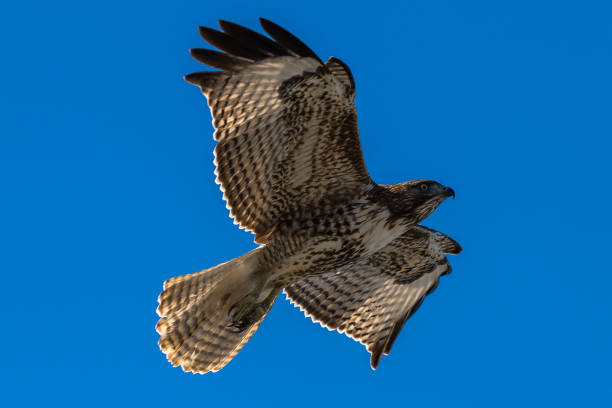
[[108, 189]]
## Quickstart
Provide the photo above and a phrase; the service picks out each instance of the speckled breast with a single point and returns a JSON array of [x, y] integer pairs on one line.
[[326, 241]]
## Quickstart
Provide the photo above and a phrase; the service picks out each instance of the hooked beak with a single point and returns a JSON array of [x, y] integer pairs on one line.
[[448, 192]]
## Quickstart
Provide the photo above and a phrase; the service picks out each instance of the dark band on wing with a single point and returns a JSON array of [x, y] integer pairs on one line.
[[242, 46], [288, 40], [218, 59], [231, 45], [252, 38]]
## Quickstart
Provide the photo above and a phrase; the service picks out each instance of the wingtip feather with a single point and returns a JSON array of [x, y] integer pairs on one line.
[[375, 357], [287, 40], [205, 79]]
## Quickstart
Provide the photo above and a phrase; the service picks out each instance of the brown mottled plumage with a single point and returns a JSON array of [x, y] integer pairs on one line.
[[349, 252], [371, 299]]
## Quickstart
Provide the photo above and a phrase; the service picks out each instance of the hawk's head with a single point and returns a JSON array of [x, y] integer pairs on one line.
[[416, 199]]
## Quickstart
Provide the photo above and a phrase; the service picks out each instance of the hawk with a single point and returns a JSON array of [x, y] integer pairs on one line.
[[349, 252]]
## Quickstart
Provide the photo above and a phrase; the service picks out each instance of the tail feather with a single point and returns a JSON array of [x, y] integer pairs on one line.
[[182, 291], [208, 316], [214, 343]]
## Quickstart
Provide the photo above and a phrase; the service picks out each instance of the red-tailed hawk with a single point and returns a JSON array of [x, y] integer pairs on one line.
[[347, 251]]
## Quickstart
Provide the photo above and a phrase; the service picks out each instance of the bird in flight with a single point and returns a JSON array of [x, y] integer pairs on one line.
[[349, 252]]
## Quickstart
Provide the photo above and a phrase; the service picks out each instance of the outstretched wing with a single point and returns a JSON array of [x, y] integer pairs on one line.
[[371, 300], [285, 122]]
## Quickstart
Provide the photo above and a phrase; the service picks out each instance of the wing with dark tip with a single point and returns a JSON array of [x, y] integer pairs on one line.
[[253, 38], [371, 300], [285, 122], [288, 40]]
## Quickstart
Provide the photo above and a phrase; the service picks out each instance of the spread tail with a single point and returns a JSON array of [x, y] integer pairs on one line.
[[207, 316]]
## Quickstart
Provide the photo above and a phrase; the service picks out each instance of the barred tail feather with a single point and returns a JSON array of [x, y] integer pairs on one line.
[[208, 316]]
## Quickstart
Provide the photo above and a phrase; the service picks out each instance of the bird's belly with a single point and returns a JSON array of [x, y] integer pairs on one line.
[[377, 232], [319, 253]]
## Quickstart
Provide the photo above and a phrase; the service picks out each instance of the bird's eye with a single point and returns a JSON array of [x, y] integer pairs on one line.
[[424, 187]]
